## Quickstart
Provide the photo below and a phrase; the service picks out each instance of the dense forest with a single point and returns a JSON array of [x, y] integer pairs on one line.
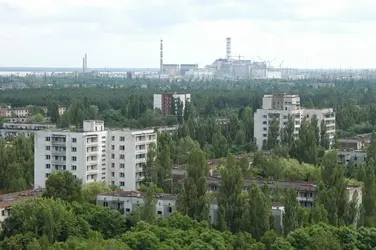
[[66, 218]]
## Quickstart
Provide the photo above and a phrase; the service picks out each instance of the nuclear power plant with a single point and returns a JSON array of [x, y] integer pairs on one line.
[[229, 67], [238, 68]]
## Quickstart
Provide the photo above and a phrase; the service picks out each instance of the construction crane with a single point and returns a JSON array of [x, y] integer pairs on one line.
[[270, 61], [280, 65]]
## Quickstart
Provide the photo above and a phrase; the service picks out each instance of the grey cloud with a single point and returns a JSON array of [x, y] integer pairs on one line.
[[149, 18]]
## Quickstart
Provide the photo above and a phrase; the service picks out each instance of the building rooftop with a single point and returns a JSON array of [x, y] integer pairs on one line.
[[137, 194], [8, 200], [297, 185]]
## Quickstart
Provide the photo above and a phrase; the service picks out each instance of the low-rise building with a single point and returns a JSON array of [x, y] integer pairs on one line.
[[9, 200], [127, 201], [353, 149], [22, 129], [306, 191]]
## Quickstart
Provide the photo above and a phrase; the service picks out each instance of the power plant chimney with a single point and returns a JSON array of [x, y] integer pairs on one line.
[[85, 61], [83, 64], [161, 59], [228, 48]]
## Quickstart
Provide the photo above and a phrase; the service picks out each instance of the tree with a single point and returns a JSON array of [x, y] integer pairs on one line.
[[287, 135], [149, 168], [53, 111], [369, 194], [324, 137], [290, 217], [256, 213], [371, 150], [44, 216], [332, 191], [229, 196], [148, 211], [305, 148], [64, 185], [273, 134], [192, 199], [91, 190]]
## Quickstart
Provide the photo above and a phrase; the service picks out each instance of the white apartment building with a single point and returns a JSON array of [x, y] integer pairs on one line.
[[93, 154], [280, 106]]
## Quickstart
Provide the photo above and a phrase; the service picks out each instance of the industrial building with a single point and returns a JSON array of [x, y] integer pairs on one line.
[[280, 106], [165, 101], [93, 154]]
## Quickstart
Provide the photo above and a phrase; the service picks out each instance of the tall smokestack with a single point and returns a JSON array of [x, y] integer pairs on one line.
[[161, 59], [85, 61], [228, 48], [83, 64]]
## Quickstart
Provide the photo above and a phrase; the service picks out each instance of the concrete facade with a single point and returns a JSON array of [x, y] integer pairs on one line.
[[165, 101], [280, 106], [127, 201], [93, 154]]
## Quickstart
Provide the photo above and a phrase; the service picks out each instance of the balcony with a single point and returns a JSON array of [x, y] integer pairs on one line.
[[58, 162], [305, 199], [92, 153], [59, 153], [58, 143], [141, 160]]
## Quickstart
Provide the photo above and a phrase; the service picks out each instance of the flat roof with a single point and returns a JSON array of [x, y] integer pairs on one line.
[[8, 200], [137, 194]]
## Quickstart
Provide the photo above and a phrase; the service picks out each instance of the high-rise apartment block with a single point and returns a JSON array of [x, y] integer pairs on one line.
[[93, 154], [165, 101], [280, 106]]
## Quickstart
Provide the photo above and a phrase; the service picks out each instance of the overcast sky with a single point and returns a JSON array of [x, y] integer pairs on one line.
[[126, 33]]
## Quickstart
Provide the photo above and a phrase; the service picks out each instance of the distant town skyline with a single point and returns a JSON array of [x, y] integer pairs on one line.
[[126, 34]]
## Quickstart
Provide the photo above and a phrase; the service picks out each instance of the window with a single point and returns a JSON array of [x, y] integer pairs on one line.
[[105, 204], [122, 165], [3, 212], [48, 157], [122, 174], [74, 149], [113, 138], [265, 116], [122, 184], [74, 167], [48, 166], [265, 135], [127, 210], [159, 212], [113, 147], [112, 165], [48, 138], [122, 147], [112, 183], [74, 140], [265, 129], [112, 156], [122, 138], [48, 148], [47, 175], [170, 209], [74, 158], [122, 157], [264, 122], [113, 174]]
